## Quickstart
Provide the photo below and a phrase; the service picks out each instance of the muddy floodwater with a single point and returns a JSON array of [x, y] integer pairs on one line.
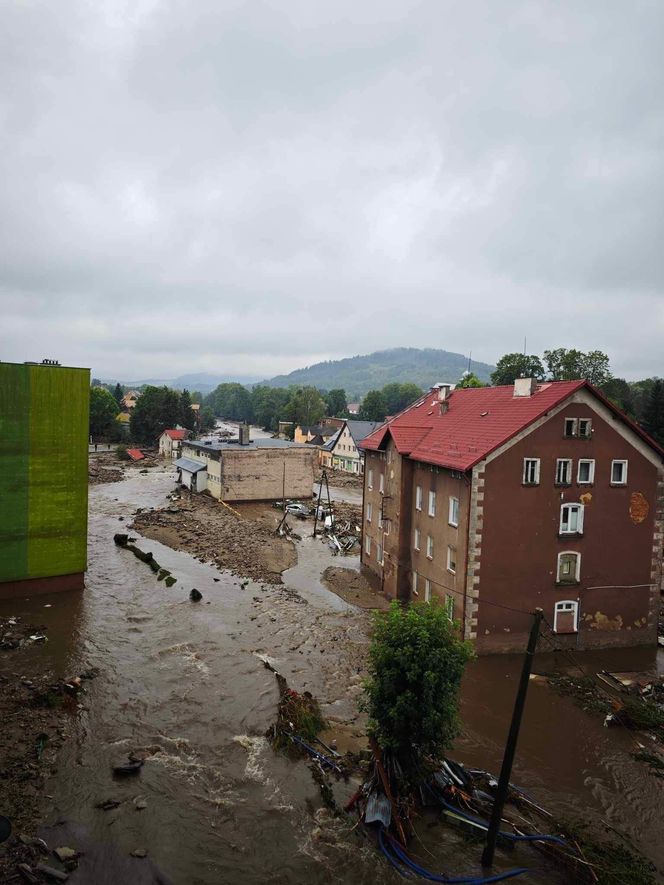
[[185, 684]]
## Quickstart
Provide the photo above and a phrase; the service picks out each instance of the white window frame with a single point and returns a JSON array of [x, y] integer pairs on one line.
[[527, 462], [591, 472], [570, 464], [579, 522], [577, 571], [418, 497], [432, 503], [589, 423], [417, 537], [453, 505], [449, 606], [381, 484], [370, 478], [625, 465], [575, 425], [429, 547], [427, 590], [380, 518], [379, 553], [558, 608], [369, 511], [367, 545], [415, 590], [450, 568]]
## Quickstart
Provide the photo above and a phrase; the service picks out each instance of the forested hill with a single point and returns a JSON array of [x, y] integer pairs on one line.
[[359, 374]]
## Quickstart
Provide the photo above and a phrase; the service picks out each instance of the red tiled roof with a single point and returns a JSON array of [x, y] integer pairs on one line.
[[175, 434], [135, 454], [477, 421]]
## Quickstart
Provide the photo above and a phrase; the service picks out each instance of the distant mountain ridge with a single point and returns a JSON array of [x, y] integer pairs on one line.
[[204, 382], [359, 374]]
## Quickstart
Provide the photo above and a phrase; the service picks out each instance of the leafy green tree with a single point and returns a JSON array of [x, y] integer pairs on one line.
[[231, 400], [269, 405], [187, 417], [620, 393], [469, 379], [653, 416], [571, 365], [336, 403], [156, 410], [208, 420], [596, 368], [373, 407], [517, 365], [305, 406], [103, 409], [416, 661], [196, 396], [118, 393], [398, 396]]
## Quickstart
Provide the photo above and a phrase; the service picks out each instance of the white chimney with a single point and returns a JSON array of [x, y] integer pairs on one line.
[[443, 390], [524, 386]]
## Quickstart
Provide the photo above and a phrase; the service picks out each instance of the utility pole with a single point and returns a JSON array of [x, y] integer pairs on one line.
[[510, 746]]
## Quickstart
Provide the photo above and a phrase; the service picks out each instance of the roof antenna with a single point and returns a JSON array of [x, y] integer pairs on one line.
[[470, 356], [524, 345]]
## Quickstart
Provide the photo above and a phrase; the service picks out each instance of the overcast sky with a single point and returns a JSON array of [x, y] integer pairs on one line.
[[248, 187]]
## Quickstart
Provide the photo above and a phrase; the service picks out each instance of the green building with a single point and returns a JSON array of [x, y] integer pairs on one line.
[[44, 477]]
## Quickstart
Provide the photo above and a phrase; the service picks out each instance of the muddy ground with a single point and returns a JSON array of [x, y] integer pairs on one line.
[[242, 540], [353, 587], [104, 468], [342, 480]]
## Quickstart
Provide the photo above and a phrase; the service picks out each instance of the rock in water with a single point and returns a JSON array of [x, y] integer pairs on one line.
[[195, 595]]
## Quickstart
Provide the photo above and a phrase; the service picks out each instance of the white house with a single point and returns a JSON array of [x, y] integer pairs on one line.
[[345, 453], [170, 442]]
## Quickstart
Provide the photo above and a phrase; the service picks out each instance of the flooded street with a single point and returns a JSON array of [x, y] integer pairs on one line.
[[185, 684]]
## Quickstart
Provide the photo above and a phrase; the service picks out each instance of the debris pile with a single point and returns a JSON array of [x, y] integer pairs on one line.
[[15, 634], [163, 574]]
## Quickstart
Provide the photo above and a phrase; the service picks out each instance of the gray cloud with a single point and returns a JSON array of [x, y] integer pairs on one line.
[[249, 187]]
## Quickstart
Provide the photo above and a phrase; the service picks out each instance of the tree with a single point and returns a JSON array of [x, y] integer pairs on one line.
[[156, 410], [208, 420], [231, 400], [571, 365], [187, 417], [269, 405], [118, 393], [469, 379], [103, 409], [517, 365], [305, 406], [416, 662], [596, 367], [336, 403], [653, 416], [374, 407], [196, 396], [398, 396], [621, 394]]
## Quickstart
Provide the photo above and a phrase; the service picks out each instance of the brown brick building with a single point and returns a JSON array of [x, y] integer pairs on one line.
[[499, 500]]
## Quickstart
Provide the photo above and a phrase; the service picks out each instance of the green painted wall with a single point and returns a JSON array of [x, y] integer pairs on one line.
[[43, 459]]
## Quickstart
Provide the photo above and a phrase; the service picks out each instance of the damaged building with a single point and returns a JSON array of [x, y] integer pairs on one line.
[[499, 500], [247, 470]]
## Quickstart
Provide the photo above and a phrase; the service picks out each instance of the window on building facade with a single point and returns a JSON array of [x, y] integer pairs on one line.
[[379, 554], [570, 427], [586, 471], [429, 547], [414, 579], [618, 473], [571, 519], [427, 590], [451, 559], [569, 567], [416, 539], [585, 428], [565, 616], [381, 483], [367, 546], [370, 478], [449, 606], [531, 471], [432, 503], [453, 512], [380, 519], [369, 511], [564, 471], [418, 497]]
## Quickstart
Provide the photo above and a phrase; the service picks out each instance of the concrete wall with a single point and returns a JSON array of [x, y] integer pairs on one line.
[[258, 474], [516, 556]]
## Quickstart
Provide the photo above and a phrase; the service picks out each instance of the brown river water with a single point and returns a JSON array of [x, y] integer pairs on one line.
[[184, 682]]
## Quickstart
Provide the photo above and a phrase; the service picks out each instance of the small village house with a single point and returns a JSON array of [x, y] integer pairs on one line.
[[500, 500], [170, 442], [248, 470], [129, 400], [318, 434], [345, 453], [353, 409]]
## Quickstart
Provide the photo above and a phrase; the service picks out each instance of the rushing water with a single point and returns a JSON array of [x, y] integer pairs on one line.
[[185, 684]]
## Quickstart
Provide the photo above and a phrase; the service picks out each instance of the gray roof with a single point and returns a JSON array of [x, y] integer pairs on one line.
[[359, 430], [189, 465], [222, 445]]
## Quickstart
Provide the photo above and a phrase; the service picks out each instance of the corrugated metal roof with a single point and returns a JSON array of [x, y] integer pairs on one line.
[[190, 465]]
